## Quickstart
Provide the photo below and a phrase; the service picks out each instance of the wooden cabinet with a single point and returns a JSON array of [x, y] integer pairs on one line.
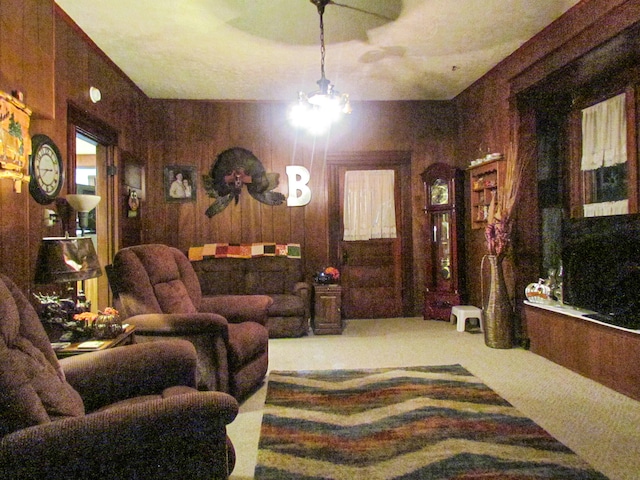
[[603, 353], [327, 309], [485, 180], [443, 240]]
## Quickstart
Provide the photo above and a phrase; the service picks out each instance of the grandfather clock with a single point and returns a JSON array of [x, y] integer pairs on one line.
[[444, 240]]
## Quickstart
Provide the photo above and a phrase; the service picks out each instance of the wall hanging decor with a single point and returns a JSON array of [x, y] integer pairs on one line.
[[233, 169], [15, 143]]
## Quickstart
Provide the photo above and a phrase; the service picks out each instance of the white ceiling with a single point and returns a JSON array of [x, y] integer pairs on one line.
[[270, 49]]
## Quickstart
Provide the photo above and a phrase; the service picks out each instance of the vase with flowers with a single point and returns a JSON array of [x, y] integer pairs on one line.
[[327, 276], [498, 311], [102, 325]]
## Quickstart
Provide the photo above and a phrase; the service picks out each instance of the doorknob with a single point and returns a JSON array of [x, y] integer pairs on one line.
[[345, 257]]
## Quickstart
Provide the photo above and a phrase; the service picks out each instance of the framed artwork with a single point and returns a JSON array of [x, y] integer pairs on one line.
[[134, 173], [179, 183]]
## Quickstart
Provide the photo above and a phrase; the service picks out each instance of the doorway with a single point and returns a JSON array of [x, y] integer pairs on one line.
[[376, 275], [92, 147]]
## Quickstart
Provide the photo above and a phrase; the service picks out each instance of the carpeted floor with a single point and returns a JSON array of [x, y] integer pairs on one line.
[[600, 425], [412, 423]]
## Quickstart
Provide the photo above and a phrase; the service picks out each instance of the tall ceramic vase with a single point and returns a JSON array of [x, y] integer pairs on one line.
[[498, 314]]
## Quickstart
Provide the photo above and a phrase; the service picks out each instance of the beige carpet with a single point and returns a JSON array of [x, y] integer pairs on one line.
[[602, 426]]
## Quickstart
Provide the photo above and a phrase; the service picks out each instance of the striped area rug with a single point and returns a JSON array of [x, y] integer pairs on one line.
[[436, 422]]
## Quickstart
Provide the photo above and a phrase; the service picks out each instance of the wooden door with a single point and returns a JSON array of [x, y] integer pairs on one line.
[[371, 278], [376, 274]]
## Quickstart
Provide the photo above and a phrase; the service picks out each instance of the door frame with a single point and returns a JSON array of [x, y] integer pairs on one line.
[[375, 160], [78, 121]]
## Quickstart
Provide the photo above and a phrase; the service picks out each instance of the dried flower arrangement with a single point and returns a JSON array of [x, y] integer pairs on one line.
[[501, 210]]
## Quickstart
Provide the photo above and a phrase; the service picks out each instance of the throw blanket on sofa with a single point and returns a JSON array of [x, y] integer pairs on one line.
[[244, 250]]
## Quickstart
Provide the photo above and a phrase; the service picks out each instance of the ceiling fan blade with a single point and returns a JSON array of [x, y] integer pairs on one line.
[[361, 10]]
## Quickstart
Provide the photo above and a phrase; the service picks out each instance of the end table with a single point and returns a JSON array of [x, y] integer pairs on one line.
[[127, 337], [327, 317]]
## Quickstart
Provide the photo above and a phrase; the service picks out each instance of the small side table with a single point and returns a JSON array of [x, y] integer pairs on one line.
[[125, 338], [327, 314]]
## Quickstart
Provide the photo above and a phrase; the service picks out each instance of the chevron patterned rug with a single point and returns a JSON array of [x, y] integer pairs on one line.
[[423, 423]]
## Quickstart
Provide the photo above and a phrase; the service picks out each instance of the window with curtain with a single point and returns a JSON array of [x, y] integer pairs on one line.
[[604, 157], [369, 204]]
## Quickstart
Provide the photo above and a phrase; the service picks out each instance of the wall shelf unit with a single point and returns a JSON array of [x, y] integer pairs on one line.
[[485, 182]]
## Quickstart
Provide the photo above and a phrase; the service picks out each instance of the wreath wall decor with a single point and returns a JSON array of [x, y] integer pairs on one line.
[[233, 169]]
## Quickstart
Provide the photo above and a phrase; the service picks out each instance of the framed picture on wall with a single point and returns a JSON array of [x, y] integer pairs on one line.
[[179, 183], [134, 173]]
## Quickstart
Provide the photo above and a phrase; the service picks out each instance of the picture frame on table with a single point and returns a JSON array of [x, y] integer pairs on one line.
[[180, 183]]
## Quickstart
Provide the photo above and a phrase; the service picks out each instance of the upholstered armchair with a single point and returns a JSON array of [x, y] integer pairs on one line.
[[127, 412], [156, 289]]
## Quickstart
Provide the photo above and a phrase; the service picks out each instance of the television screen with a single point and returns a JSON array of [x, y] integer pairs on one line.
[[601, 267]]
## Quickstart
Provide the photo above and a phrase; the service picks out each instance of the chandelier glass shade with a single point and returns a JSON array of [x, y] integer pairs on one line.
[[317, 111]]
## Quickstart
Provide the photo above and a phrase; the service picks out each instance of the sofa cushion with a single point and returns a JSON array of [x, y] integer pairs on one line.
[[221, 276], [286, 306]]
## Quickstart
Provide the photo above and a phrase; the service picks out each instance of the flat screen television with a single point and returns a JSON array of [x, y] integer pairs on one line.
[[601, 267]]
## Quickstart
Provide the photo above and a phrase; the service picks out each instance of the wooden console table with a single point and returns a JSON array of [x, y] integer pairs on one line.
[[608, 354], [125, 338], [327, 305]]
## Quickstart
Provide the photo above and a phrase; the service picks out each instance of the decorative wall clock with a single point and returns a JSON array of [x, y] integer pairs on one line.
[[45, 168]]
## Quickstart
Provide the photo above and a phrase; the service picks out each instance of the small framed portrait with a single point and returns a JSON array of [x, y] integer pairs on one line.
[[179, 184]]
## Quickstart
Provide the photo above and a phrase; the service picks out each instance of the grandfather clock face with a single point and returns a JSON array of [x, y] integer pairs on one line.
[[439, 192]]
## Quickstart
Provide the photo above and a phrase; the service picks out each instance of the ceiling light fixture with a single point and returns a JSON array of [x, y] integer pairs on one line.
[[316, 111]]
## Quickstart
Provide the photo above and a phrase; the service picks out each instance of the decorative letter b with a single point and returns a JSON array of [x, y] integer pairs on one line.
[[298, 178]]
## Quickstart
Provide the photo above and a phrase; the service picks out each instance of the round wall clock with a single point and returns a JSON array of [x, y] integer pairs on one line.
[[45, 168]]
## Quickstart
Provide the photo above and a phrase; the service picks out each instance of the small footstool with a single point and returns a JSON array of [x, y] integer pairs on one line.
[[462, 313]]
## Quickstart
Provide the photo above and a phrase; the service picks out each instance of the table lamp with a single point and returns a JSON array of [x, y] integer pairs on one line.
[[65, 260]]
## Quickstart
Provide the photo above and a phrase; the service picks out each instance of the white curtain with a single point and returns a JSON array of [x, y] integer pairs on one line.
[[604, 134], [620, 207], [369, 206]]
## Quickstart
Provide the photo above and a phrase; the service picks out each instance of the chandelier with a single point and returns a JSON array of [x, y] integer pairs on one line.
[[316, 111]]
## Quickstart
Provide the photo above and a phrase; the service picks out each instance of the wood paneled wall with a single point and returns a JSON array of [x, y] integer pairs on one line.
[[164, 132], [490, 117], [78, 65], [193, 133]]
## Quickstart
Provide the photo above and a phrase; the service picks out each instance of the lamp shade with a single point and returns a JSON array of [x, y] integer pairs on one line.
[[66, 260], [83, 203]]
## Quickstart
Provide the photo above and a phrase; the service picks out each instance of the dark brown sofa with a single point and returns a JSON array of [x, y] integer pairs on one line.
[[127, 412], [156, 289], [279, 277]]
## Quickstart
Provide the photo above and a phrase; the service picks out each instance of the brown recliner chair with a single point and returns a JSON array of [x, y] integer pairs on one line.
[[157, 290], [126, 412]]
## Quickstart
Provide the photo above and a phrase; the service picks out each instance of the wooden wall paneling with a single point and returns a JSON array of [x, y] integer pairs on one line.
[[587, 25], [27, 52], [316, 220], [16, 261], [11, 43], [263, 128], [155, 215]]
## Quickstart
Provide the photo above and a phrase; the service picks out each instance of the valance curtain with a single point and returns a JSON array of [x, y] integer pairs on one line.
[[604, 134], [369, 205]]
